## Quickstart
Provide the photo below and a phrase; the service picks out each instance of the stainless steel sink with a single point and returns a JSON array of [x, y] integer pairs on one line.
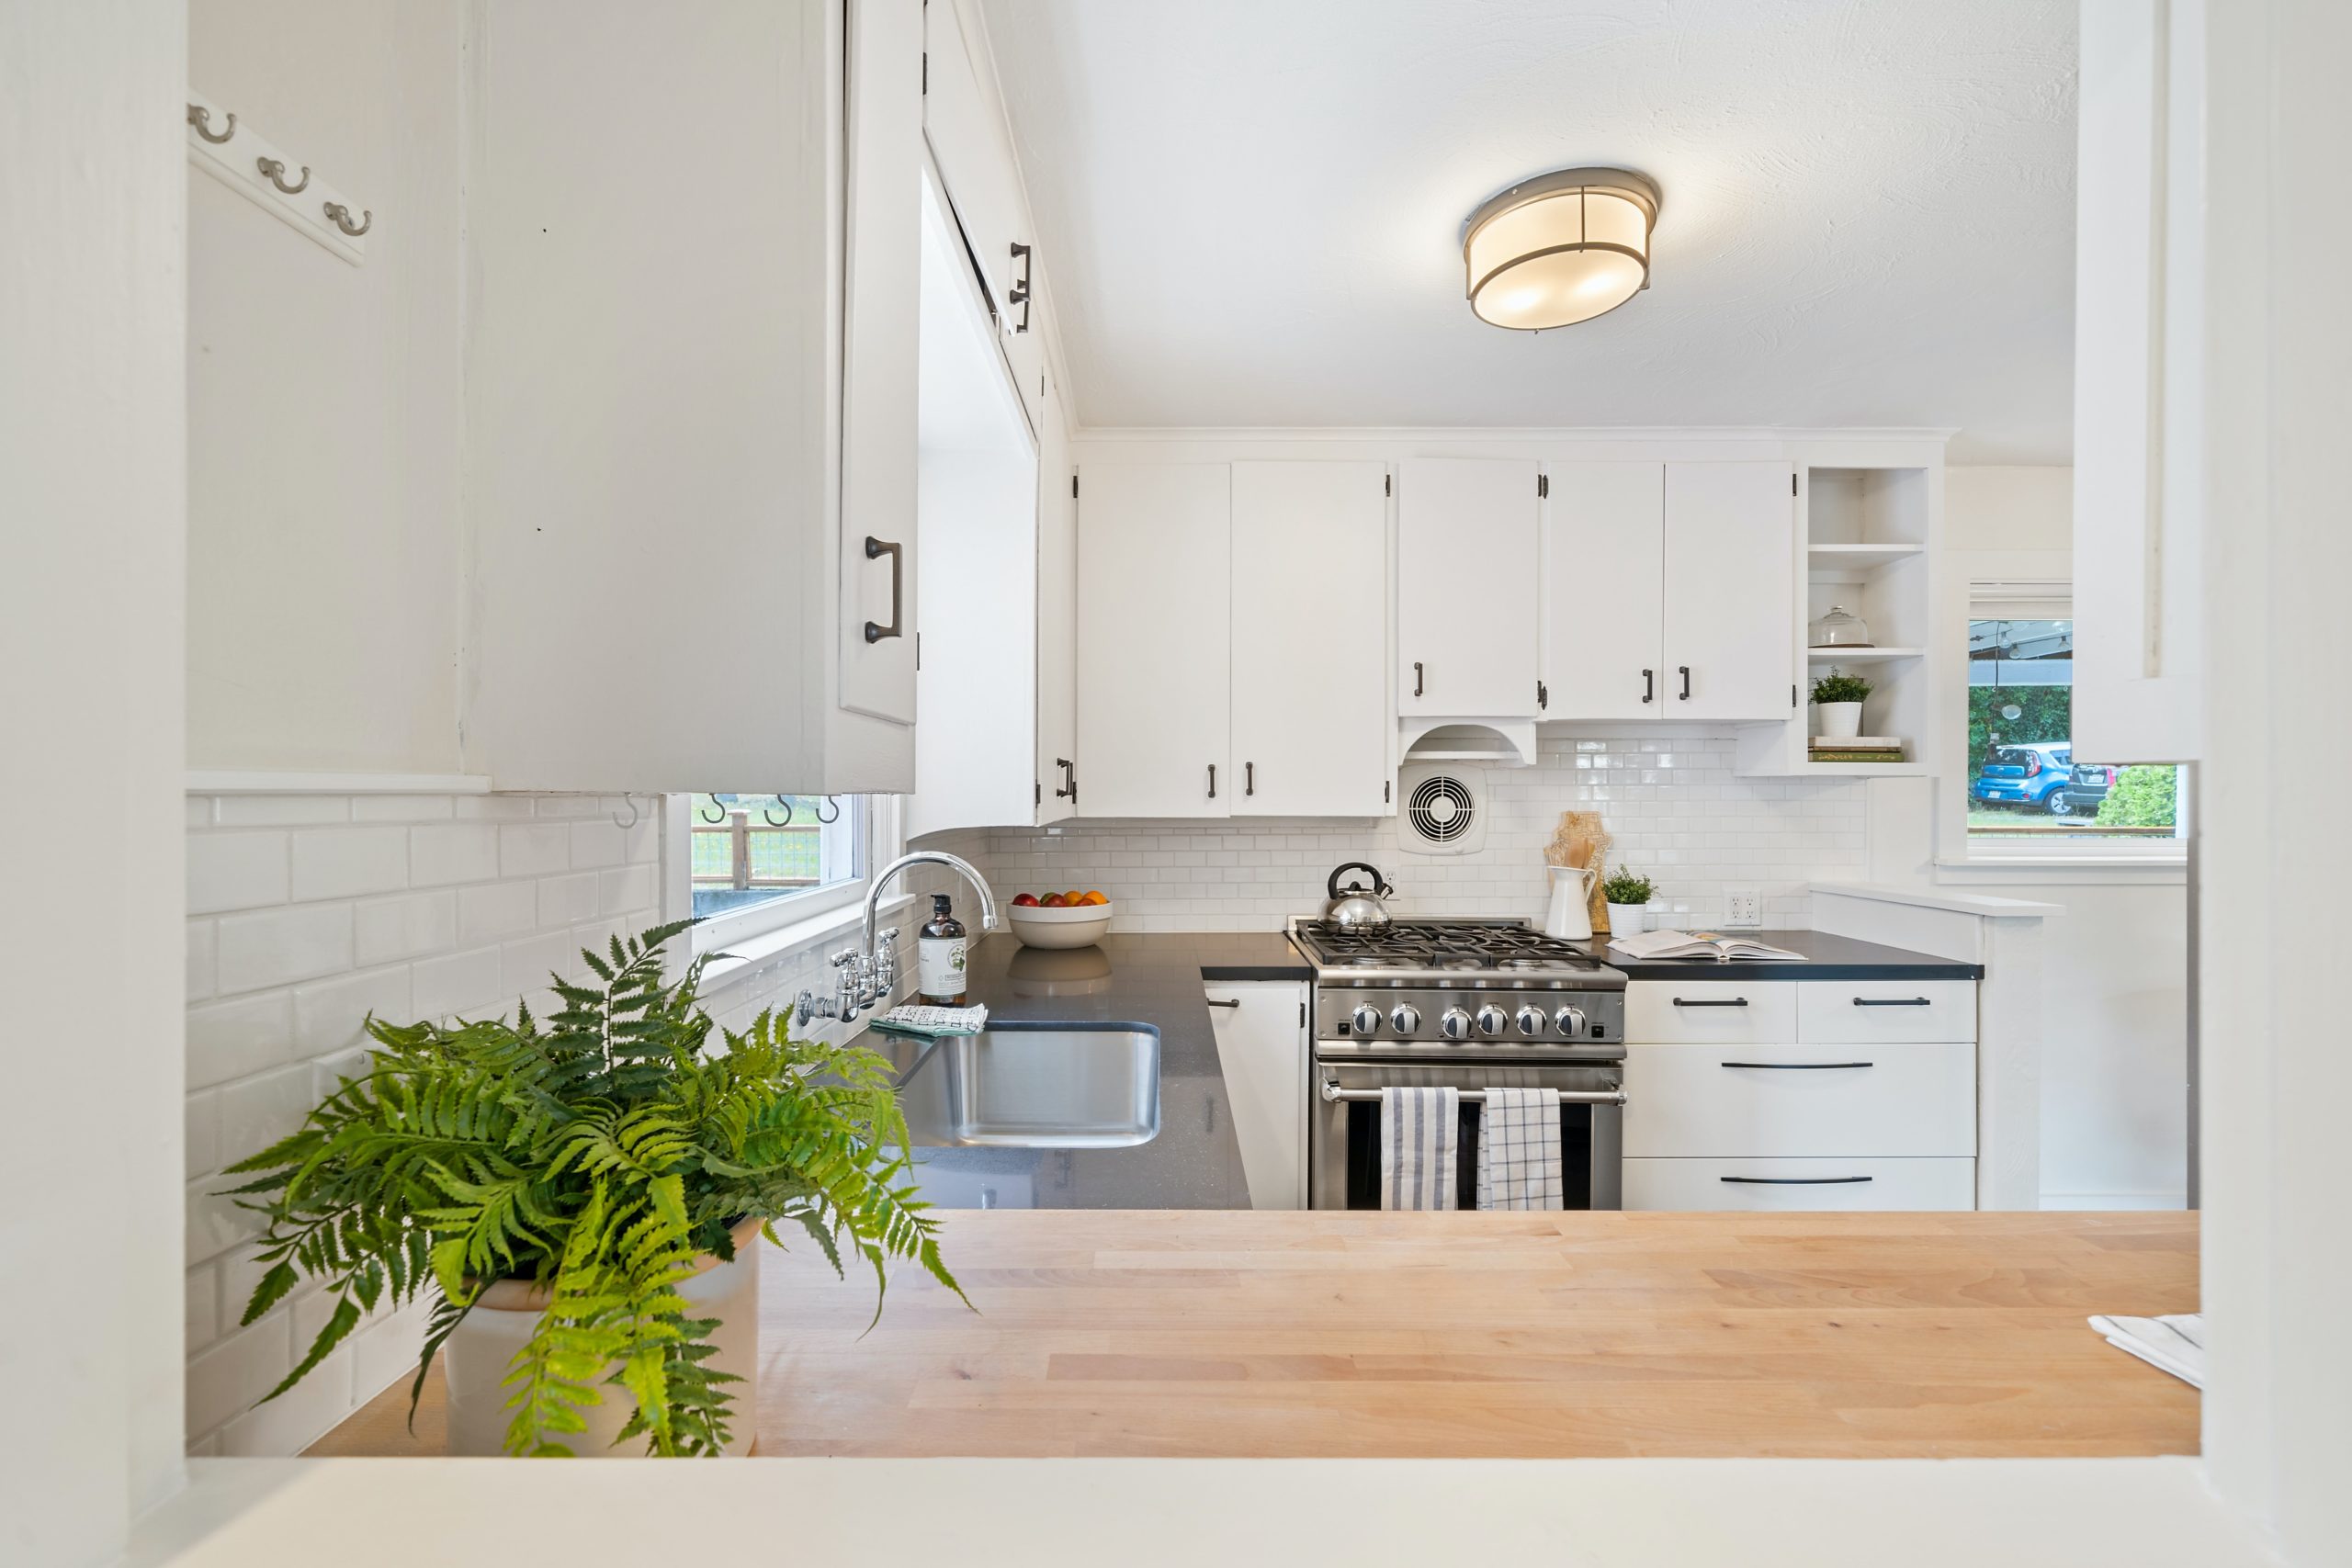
[[1039, 1086]]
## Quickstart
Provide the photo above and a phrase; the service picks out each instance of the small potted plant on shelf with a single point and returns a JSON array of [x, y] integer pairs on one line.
[[1628, 895], [579, 1199], [1839, 697]]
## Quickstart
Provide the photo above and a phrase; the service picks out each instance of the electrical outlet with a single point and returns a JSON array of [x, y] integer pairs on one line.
[[1743, 906]]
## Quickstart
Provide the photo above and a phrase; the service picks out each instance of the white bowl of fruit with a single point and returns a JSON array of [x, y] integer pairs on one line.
[[1058, 920]]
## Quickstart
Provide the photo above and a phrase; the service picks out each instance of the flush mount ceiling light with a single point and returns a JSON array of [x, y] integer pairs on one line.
[[1560, 248]]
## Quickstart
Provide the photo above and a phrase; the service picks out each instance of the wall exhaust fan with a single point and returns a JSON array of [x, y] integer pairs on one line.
[[1441, 808]]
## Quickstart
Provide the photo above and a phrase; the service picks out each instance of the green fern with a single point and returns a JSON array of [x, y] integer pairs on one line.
[[597, 1154]]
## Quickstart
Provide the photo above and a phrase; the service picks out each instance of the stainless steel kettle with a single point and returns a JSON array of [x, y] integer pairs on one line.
[[1357, 906]]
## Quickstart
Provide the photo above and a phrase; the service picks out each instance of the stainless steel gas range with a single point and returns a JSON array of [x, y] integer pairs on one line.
[[1469, 1004]]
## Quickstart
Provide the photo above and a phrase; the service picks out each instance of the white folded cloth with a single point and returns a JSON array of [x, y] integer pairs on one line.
[[2176, 1343], [1416, 1143], [1519, 1149]]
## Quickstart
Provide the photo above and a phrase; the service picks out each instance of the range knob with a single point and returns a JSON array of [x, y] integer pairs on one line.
[[1366, 1019], [1490, 1020], [1454, 1024], [1406, 1018], [1569, 1022], [1530, 1020]]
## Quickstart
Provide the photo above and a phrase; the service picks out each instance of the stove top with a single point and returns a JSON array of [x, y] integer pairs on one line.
[[1453, 952]]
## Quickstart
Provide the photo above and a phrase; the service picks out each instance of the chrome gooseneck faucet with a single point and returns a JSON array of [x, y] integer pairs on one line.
[[867, 976]]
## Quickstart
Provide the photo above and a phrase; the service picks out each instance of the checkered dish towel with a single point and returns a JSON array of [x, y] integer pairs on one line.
[[1519, 1149], [1417, 1129]]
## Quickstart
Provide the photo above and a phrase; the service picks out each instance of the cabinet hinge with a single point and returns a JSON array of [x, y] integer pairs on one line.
[[1073, 487], [1542, 484], [1388, 484], [1543, 695]]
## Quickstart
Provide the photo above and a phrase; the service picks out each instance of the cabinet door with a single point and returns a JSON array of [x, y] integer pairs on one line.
[[882, 289], [1604, 591], [975, 160], [1261, 1047], [1310, 643], [1057, 618], [1466, 588], [1155, 639], [1730, 591]]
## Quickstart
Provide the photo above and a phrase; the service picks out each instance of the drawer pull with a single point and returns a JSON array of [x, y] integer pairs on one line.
[[1799, 1066], [1215, 1002], [1891, 1001], [1793, 1180], [1712, 1002]]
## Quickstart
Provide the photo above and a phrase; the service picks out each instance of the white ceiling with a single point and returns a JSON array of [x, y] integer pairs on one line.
[[1250, 209]]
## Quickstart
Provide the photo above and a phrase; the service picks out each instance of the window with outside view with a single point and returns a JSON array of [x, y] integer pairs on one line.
[[754, 849], [2024, 781]]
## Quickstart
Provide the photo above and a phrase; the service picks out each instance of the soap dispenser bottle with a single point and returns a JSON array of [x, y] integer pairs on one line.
[[940, 950]]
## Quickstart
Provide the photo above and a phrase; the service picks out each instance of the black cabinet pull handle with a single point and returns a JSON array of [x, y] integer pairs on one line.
[[1892, 1002], [1798, 1067], [874, 550], [1712, 1002], [1215, 1002], [1417, 677], [1249, 778], [1686, 680], [1793, 1180], [1069, 780], [1212, 781], [1649, 685], [1018, 293]]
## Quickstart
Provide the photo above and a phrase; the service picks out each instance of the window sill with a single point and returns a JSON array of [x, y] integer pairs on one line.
[[737, 960], [2081, 870]]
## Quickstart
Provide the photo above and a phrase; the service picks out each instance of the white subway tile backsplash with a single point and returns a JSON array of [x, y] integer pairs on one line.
[[203, 969], [297, 1417], [567, 900], [525, 965], [341, 862], [329, 1014], [388, 930], [257, 1112], [403, 807], [465, 983], [235, 871], [280, 810], [596, 844], [491, 807], [228, 1040], [459, 852], [533, 849], [227, 1378], [496, 909]]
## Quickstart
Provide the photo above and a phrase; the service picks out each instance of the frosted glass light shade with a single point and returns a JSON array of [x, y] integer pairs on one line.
[[1560, 248]]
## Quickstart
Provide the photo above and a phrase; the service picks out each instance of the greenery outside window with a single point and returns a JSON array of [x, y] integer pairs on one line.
[[755, 863], [2025, 789]]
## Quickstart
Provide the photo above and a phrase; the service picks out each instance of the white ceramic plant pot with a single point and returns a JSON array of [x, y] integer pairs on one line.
[[1626, 920], [478, 1355], [1840, 721]]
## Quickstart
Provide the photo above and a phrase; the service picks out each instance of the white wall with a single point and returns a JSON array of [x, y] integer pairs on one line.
[[324, 529], [2114, 1116], [91, 518]]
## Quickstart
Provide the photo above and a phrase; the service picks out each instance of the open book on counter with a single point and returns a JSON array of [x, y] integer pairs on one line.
[[1699, 944]]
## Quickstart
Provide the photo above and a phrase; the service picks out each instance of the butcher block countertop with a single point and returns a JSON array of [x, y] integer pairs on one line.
[[1206, 1333]]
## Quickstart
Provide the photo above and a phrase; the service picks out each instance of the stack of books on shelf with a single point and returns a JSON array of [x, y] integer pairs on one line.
[[1857, 749]]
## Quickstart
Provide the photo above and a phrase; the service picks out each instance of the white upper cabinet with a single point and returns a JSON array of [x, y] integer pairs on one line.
[[1731, 547], [1055, 791], [969, 141], [1310, 639], [1155, 639], [1468, 588], [691, 395], [1604, 590]]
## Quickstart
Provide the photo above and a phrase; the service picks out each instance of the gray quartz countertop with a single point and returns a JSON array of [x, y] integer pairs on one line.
[[1195, 1161], [1826, 958]]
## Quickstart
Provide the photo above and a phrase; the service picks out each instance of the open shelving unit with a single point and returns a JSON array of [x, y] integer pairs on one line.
[[1866, 536]]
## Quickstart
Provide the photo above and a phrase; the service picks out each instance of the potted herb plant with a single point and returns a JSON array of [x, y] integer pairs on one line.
[[1839, 697], [578, 1198], [1628, 894]]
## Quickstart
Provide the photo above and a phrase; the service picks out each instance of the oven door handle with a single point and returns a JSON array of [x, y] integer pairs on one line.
[[1333, 1093]]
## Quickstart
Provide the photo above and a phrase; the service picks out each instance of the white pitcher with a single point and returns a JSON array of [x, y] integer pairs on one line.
[[1570, 915]]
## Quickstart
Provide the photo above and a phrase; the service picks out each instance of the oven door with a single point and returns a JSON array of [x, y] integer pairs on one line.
[[1343, 1132]]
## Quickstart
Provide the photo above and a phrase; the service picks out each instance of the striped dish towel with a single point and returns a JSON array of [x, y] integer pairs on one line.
[[1519, 1149], [1416, 1140]]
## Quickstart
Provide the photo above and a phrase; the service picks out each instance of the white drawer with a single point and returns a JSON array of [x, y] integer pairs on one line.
[[1841, 1010], [1756, 1101], [1727, 1012], [1800, 1184]]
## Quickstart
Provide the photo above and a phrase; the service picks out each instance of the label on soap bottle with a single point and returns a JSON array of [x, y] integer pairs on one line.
[[939, 968]]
